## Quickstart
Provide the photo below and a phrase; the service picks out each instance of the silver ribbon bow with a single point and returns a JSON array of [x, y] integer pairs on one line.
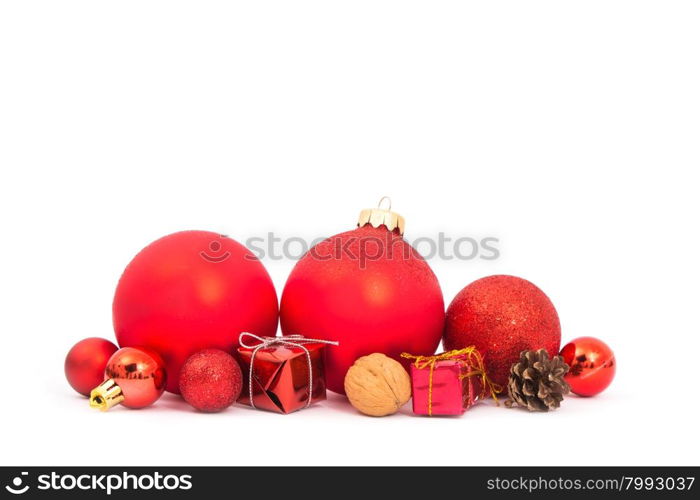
[[289, 340]]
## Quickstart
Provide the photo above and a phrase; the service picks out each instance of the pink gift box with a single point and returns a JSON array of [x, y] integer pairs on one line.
[[452, 391]]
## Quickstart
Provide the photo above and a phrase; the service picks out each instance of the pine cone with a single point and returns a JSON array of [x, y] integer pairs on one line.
[[537, 382]]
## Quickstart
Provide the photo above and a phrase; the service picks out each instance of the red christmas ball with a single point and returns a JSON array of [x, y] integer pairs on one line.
[[211, 380], [139, 375], [591, 365], [85, 363], [502, 316], [367, 289], [190, 291]]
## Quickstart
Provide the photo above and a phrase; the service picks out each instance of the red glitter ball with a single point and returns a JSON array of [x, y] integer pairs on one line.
[[502, 316], [211, 380]]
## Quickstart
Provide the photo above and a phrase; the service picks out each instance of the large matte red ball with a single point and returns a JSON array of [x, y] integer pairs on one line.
[[190, 291], [85, 363], [502, 316], [369, 290], [211, 380]]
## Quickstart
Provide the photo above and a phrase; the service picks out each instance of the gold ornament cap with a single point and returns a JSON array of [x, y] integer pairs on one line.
[[106, 395], [382, 216]]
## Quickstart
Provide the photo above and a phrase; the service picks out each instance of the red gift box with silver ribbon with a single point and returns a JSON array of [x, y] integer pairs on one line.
[[282, 374]]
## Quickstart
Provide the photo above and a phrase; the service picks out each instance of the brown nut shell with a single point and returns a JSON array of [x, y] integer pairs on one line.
[[377, 385]]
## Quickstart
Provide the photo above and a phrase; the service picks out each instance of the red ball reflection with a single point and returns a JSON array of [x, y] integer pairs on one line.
[[592, 365], [139, 373]]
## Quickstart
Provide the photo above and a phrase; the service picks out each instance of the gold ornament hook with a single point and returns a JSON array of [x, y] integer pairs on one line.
[[381, 216], [106, 395]]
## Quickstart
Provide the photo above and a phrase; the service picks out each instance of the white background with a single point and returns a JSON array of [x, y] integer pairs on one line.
[[569, 130]]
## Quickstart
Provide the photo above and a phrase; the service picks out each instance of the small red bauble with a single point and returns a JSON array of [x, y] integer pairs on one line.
[[211, 380], [591, 365], [369, 290], [502, 316], [190, 291], [85, 363], [133, 377]]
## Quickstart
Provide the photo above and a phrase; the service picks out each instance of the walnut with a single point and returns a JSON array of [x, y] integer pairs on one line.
[[377, 385]]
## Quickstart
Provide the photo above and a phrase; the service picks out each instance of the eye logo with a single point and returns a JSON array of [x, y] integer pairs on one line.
[[17, 482], [215, 248]]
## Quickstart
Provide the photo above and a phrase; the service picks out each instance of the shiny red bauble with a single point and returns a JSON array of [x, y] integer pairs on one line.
[[190, 291], [502, 316], [211, 380], [85, 363], [369, 290], [591, 365], [140, 375]]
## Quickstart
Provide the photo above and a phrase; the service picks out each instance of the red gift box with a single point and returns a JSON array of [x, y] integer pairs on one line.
[[448, 383], [282, 374]]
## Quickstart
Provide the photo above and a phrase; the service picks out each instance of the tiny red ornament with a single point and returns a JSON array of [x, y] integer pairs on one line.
[[591, 365], [369, 290], [85, 363], [133, 377], [190, 291], [502, 316], [211, 380]]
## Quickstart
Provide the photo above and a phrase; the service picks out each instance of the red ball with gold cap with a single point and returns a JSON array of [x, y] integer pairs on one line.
[[369, 290], [135, 378]]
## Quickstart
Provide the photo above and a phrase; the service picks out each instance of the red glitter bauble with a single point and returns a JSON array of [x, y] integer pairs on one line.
[[211, 380], [502, 316], [190, 291], [369, 290], [85, 363], [591, 365]]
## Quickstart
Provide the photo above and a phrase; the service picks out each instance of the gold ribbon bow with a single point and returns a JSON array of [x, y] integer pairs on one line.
[[468, 357]]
